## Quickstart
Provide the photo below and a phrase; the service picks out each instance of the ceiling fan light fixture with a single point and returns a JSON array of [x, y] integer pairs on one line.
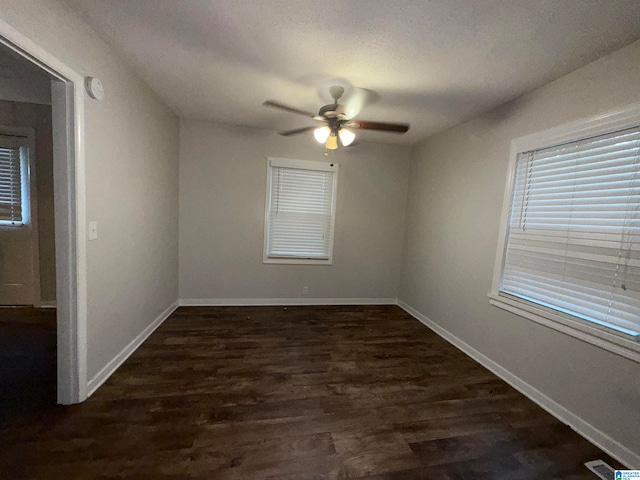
[[332, 142], [346, 136], [322, 134], [335, 116]]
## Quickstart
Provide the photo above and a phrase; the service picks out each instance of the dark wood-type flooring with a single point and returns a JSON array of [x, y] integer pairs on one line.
[[282, 393], [27, 363]]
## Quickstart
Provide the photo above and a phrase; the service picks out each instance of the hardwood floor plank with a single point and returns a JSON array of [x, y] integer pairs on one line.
[[349, 442], [369, 462]]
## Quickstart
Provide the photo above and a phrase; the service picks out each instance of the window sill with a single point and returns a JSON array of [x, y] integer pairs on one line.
[[618, 344], [297, 261], [12, 226]]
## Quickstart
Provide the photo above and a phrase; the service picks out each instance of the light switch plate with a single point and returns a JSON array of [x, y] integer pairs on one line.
[[93, 230]]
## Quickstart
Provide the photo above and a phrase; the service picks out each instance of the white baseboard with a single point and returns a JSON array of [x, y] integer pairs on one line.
[[47, 304], [588, 431], [244, 302], [112, 366]]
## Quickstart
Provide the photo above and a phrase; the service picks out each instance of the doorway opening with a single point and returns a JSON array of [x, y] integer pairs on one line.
[[27, 238], [56, 272]]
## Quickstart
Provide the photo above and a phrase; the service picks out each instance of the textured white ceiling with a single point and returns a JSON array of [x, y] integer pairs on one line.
[[433, 63]]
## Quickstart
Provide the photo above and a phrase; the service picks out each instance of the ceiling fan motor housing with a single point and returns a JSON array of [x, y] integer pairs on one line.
[[332, 110]]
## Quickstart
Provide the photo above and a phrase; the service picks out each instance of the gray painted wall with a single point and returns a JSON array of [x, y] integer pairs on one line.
[[453, 215], [132, 181], [222, 199], [21, 81]]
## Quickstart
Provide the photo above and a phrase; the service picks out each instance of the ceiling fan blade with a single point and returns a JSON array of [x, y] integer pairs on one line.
[[280, 106], [385, 127], [297, 131], [357, 99]]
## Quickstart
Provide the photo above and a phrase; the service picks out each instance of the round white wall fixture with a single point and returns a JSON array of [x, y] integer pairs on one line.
[[94, 88]]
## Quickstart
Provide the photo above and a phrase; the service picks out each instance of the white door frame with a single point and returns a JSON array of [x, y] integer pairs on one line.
[[67, 103]]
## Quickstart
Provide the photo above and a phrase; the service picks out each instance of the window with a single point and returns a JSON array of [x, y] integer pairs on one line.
[[14, 189], [300, 211], [571, 241]]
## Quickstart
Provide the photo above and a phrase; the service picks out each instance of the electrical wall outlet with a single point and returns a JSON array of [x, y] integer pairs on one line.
[[305, 290]]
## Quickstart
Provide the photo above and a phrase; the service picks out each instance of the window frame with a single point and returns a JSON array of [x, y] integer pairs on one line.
[[24, 137], [273, 162], [576, 327]]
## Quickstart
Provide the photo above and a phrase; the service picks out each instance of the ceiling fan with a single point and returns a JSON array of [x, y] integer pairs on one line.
[[338, 121]]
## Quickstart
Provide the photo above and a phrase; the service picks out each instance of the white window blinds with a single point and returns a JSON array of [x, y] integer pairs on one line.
[[300, 210], [10, 186], [573, 243]]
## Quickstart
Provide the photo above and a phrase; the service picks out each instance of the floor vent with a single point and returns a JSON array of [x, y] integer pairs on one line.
[[601, 469]]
